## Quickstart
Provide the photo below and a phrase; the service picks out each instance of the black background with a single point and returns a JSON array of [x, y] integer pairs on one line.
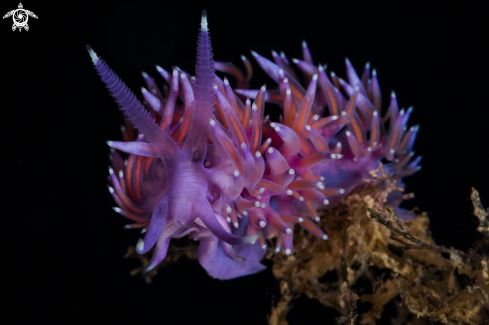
[[62, 245]]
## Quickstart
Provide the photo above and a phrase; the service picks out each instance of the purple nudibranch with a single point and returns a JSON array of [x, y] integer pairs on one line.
[[216, 169]]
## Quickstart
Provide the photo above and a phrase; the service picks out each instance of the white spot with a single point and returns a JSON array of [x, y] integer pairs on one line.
[[334, 117], [315, 77], [339, 156], [228, 209], [333, 156], [226, 82], [257, 204], [236, 173], [207, 163], [333, 75], [270, 150], [263, 205], [253, 107], [322, 178], [320, 68], [375, 113], [262, 190], [111, 190], [374, 73], [248, 101], [291, 172], [243, 145], [357, 88], [391, 151], [343, 113], [325, 237], [116, 209], [93, 55], [140, 245], [277, 250], [286, 80], [257, 154], [175, 72], [369, 149], [289, 192], [215, 87], [259, 197], [183, 76], [308, 128], [317, 219], [236, 225], [228, 220], [288, 230], [212, 122], [288, 251], [301, 219], [301, 199], [111, 171], [325, 202], [295, 61], [264, 247], [121, 175], [264, 87], [280, 71], [348, 133], [342, 191], [287, 92], [243, 57], [315, 117], [203, 23], [143, 231], [245, 213], [304, 44], [111, 143], [253, 242]]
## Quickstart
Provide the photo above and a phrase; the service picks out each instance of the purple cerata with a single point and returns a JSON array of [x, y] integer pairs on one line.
[[216, 169]]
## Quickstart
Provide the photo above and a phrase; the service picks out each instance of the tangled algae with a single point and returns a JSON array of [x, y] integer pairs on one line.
[[369, 247]]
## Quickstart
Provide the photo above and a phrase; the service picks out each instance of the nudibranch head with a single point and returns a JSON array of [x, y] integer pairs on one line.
[[216, 169]]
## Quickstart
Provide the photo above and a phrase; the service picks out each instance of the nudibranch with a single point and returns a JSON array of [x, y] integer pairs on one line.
[[216, 169]]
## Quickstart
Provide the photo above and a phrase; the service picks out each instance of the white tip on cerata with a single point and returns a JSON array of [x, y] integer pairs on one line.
[[342, 191], [286, 80], [375, 113], [257, 204], [253, 242], [257, 154], [111, 171], [236, 173], [140, 245], [243, 145], [343, 113], [288, 230], [325, 237], [334, 117], [315, 77], [116, 209], [145, 75], [254, 107], [301, 199], [93, 55], [226, 82], [287, 92], [203, 23], [228, 220], [280, 70], [262, 224], [333, 156], [357, 88], [295, 61], [121, 174], [212, 122], [325, 202], [243, 58], [236, 225], [111, 190], [277, 249], [264, 87], [263, 205], [374, 73], [143, 231], [301, 219], [110, 143], [228, 209], [270, 150], [308, 127], [291, 171], [317, 219], [348, 133], [262, 190], [289, 192], [288, 251], [264, 247], [392, 151]]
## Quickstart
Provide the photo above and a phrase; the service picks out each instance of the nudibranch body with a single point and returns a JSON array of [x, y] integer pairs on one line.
[[216, 169]]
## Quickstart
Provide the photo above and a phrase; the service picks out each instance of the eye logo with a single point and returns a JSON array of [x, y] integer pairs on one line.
[[20, 17]]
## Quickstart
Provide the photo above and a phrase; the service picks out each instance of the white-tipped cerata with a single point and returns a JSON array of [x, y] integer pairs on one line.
[[228, 209], [277, 250], [289, 231], [317, 219], [325, 202], [289, 192], [116, 209], [228, 220], [288, 251], [325, 237], [140, 245], [264, 247], [257, 154], [301, 219], [236, 225], [236, 173], [262, 224], [212, 122], [257, 204]]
